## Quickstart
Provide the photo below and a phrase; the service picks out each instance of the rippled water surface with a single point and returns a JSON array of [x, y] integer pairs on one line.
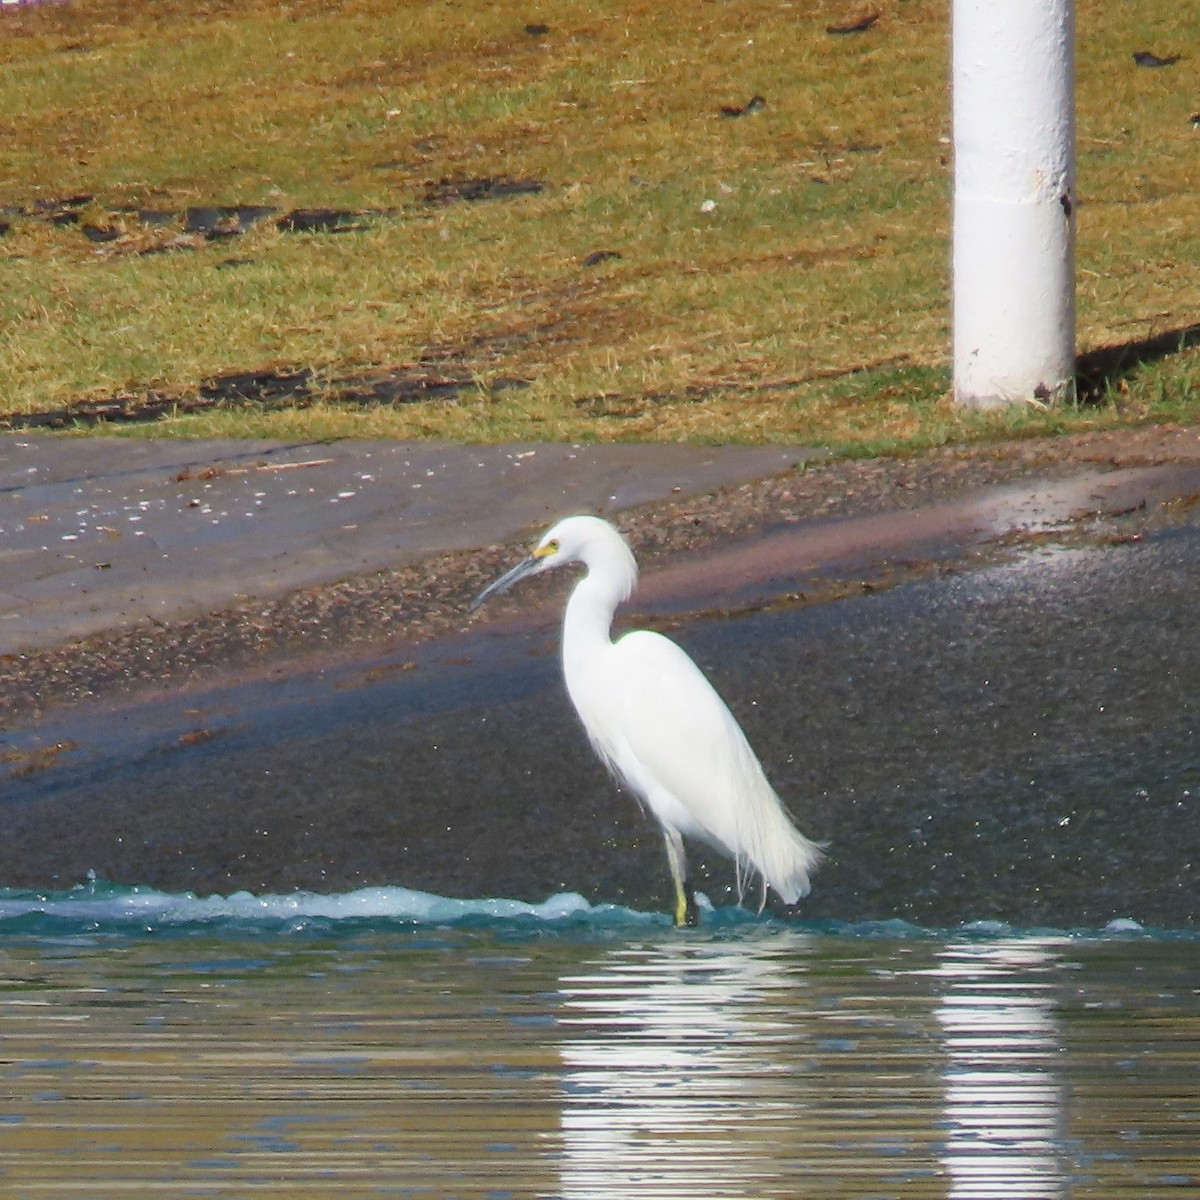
[[389, 1044]]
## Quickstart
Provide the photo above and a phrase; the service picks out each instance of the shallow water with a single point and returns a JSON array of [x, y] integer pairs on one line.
[[389, 1043]]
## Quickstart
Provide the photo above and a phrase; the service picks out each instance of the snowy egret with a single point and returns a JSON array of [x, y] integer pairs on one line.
[[660, 727]]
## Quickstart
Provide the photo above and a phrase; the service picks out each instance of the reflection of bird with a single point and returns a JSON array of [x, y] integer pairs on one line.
[[658, 725], [1144, 58]]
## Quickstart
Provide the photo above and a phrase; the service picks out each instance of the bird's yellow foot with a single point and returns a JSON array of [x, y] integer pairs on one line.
[[687, 915]]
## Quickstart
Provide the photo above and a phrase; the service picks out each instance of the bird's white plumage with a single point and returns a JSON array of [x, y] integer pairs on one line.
[[659, 725]]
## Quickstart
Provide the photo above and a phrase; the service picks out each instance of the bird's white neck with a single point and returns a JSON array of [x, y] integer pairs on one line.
[[587, 624]]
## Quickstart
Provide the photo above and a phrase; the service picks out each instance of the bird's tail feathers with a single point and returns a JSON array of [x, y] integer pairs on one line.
[[771, 845], [787, 861]]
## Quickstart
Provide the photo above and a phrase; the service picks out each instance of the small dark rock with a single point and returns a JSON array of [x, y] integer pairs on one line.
[[100, 233], [754, 105], [1144, 58], [598, 256], [537, 29], [860, 26]]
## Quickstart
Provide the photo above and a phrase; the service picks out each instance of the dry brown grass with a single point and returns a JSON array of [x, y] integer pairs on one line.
[[809, 304]]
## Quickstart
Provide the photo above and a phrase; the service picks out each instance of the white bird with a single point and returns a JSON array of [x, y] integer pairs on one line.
[[660, 727]]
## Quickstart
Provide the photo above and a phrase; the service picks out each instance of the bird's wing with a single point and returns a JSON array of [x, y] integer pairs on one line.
[[680, 747], [683, 735]]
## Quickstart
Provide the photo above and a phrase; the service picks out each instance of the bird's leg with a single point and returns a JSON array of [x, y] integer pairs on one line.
[[686, 912]]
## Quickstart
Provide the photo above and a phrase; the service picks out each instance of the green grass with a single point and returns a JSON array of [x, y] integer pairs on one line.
[[811, 304]]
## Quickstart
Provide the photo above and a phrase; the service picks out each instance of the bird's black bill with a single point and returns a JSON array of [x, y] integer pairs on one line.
[[527, 566]]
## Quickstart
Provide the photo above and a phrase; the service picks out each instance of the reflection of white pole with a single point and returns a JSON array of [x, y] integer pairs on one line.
[[1003, 1097], [1014, 201]]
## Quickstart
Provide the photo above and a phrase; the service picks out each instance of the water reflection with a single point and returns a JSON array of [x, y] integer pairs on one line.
[[759, 1063], [677, 1078], [1003, 1096]]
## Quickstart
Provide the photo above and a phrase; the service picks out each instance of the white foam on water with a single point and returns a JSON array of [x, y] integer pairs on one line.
[[98, 907], [1124, 925], [114, 906]]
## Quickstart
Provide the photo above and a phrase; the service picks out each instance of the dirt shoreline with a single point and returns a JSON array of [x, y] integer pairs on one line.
[[411, 605]]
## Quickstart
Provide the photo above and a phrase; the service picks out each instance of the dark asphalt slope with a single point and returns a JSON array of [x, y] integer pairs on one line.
[[1015, 743], [1001, 726]]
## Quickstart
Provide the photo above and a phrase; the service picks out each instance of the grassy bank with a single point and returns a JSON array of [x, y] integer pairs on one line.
[[676, 273]]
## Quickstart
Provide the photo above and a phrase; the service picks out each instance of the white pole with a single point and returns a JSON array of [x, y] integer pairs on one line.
[[1014, 201]]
